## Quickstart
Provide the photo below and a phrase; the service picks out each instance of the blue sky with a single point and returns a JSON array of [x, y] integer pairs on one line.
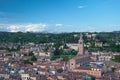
[[59, 15]]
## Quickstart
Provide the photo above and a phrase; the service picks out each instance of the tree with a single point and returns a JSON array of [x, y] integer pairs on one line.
[[65, 46], [116, 58], [26, 61], [31, 53], [33, 58], [18, 48], [65, 58]]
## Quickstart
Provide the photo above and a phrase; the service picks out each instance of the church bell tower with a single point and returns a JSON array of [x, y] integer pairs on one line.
[[81, 46]]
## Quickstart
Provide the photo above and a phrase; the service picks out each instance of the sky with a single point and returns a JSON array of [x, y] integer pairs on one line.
[[59, 15]]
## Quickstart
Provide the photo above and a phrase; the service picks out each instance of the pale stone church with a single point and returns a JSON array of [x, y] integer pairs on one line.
[[81, 57]]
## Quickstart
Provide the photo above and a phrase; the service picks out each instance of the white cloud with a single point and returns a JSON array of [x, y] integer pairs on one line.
[[65, 25], [58, 25], [35, 27], [13, 28], [81, 7], [24, 27]]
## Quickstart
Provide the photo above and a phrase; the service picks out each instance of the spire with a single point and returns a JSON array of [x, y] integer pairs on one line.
[[81, 38]]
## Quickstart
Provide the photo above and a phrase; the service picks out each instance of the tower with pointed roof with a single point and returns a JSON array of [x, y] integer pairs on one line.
[[81, 46]]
